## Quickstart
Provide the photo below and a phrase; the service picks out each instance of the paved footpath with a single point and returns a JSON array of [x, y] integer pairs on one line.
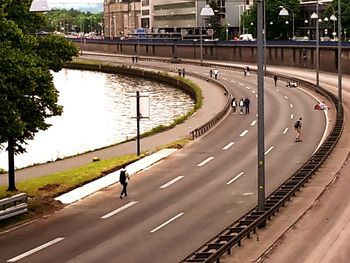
[[210, 108]]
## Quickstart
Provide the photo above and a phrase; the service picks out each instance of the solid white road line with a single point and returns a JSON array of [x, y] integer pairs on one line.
[[235, 178], [167, 222], [228, 145], [206, 161], [291, 116], [171, 182], [269, 150], [285, 130], [34, 250], [253, 123], [120, 209], [243, 133]]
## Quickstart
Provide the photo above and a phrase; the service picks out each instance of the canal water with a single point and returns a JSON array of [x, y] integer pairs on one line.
[[97, 113]]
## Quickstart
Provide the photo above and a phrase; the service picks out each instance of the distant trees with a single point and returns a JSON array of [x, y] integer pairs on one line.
[[73, 21], [27, 93]]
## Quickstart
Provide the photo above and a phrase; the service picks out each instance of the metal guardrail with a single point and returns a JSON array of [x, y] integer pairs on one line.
[[233, 235], [14, 205]]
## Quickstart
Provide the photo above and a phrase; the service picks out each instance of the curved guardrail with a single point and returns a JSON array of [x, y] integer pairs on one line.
[[233, 235]]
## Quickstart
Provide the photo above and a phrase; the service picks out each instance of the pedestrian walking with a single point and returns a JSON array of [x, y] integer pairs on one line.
[[183, 72], [180, 72], [241, 106], [275, 79], [246, 105], [216, 73], [123, 180], [211, 73], [133, 59], [234, 105], [137, 59], [248, 71], [297, 126], [245, 72]]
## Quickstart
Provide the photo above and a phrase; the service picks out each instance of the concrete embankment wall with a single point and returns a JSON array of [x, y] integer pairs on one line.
[[301, 56]]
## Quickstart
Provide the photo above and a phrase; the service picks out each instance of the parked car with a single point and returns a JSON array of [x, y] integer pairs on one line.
[[246, 37]]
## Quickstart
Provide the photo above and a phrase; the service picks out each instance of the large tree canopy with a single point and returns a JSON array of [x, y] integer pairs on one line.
[[27, 93]]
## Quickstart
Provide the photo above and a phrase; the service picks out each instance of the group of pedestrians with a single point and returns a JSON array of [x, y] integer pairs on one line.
[[243, 105], [181, 72], [135, 59], [214, 73]]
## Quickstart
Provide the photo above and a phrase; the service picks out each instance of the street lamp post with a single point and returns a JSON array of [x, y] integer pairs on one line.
[[316, 16], [340, 96], [261, 126], [206, 12], [284, 12]]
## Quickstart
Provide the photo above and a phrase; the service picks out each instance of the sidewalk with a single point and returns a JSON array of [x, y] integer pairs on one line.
[[210, 108]]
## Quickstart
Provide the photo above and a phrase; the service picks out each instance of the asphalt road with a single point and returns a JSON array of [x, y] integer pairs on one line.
[[178, 204], [314, 226]]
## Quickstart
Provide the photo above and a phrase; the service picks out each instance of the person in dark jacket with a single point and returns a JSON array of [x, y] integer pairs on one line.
[[246, 105], [123, 180]]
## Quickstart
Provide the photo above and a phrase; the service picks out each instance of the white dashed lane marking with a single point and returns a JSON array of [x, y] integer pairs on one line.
[[285, 130], [235, 178], [243, 133], [167, 222], [206, 161], [269, 150], [291, 116], [253, 123], [171, 182], [228, 146], [37, 249], [120, 209]]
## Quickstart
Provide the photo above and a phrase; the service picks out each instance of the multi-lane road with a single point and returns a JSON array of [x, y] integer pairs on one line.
[[178, 204]]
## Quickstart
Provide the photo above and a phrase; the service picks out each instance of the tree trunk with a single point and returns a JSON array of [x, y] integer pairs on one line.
[[11, 171]]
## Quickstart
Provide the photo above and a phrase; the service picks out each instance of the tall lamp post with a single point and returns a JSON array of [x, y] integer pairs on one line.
[[206, 12], [315, 17], [340, 96], [261, 126], [284, 12]]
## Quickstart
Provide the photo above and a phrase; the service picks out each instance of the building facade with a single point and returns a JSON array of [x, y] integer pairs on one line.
[[123, 18]]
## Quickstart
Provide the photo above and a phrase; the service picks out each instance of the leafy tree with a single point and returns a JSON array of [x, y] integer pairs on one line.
[[27, 93], [215, 20], [275, 24]]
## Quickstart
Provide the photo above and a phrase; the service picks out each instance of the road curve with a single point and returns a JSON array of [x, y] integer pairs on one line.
[[178, 204]]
